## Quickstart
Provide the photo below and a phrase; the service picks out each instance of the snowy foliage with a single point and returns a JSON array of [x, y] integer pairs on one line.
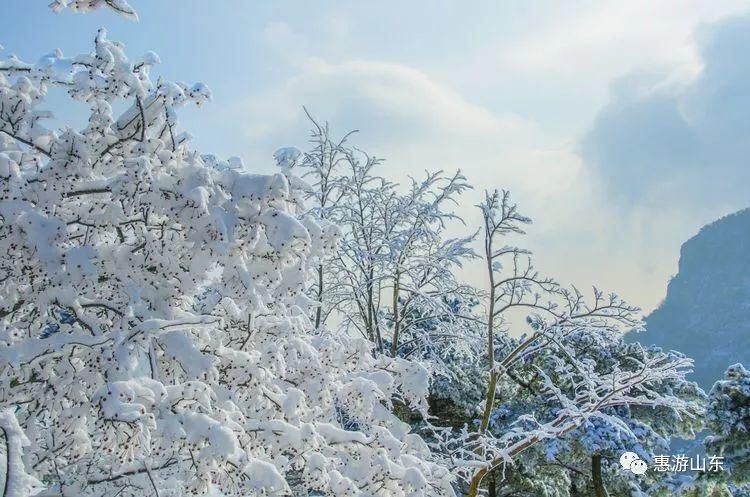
[[121, 7], [728, 420], [574, 388], [154, 319], [392, 278], [602, 438], [173, 325], [14, 478]]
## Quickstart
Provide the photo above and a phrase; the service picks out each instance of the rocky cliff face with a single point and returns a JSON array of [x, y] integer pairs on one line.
[[706, 313]]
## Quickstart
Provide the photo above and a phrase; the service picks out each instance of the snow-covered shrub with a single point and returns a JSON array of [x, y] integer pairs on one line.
[[154, 324], [728, 420]]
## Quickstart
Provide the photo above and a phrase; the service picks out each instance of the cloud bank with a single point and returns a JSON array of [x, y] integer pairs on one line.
[[663, 156], [660, 143]]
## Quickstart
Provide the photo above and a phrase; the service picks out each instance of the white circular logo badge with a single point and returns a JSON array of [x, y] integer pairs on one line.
[[627, 459]]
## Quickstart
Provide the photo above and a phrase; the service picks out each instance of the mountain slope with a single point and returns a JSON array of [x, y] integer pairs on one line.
[[706, 313]]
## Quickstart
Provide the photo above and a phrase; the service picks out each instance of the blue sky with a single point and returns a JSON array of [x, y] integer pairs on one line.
[[619, 126]]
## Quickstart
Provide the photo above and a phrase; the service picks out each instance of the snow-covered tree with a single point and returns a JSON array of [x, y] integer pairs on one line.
[[421, 263], [575, 390], [355, 272], [393, 262], [323, 164], [587, 458], [154, 320], [163, 314], [452, 342], [728, 421], [646, 430], [393, 241]]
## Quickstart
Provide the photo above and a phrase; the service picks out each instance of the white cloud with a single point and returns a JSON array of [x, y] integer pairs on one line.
[[417, 121], [558, 64], [404, 114]]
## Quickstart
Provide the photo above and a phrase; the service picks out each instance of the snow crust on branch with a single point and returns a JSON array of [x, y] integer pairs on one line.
[[154, 329], [14, 479], [121, 7]]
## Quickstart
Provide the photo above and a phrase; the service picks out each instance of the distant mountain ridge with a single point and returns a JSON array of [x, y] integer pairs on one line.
[[706, 313]]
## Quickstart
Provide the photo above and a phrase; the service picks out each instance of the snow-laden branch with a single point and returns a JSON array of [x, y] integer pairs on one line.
[[154, 319], [121, 7], [16, 482]]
